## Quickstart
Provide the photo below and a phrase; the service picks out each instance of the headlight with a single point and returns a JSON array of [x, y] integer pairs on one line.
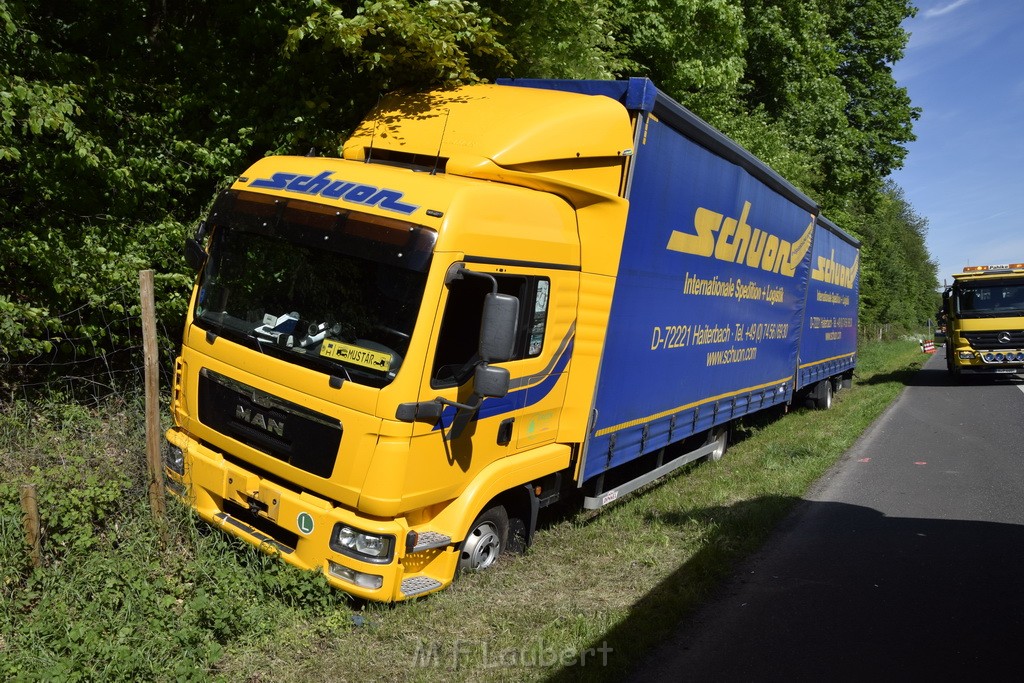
[[361, 545], [174, 459], [965, 355]]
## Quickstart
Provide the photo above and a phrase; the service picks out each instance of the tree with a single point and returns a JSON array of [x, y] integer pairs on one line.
[[869, 38], [120, 119], [693, 50], [898, 277]]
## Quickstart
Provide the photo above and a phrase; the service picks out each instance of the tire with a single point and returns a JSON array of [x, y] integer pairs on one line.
[[719, 437], [486, 541], [955, 374], [823, 395]]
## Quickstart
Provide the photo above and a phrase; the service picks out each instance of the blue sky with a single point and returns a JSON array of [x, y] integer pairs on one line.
[[964, 66]]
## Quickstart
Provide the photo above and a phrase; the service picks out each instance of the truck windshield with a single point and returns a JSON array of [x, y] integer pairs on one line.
[[327, 288], [991, 299]]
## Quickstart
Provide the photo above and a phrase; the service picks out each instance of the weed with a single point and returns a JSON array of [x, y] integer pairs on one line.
[[108, 602]]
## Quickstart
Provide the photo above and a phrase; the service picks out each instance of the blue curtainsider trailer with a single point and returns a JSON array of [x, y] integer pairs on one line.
[[828, 340], [727, 278]]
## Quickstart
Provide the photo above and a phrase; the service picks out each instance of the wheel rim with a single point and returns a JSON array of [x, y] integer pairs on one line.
[[483, 545], [719, 440]]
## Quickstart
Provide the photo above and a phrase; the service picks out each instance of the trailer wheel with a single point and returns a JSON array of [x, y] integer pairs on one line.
[[823, 395], [720, 438], [486, 540]]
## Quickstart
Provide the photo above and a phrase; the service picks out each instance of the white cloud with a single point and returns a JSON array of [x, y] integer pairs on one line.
[[945, 9]]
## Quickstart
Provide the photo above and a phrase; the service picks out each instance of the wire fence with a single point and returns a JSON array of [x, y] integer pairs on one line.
[[879, 332], [89, 362], [81, 423]]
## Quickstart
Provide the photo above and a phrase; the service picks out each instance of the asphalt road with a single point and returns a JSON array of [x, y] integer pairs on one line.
[[906, 562]]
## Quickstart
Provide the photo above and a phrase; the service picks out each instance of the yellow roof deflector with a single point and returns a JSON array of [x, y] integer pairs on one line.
[[571, 144]]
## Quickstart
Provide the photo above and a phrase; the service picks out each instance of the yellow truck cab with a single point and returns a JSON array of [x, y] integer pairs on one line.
[[984, 316]]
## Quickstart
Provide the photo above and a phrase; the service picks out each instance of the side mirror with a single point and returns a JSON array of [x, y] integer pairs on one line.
[[490, 381], [195, 255], [498, 327]]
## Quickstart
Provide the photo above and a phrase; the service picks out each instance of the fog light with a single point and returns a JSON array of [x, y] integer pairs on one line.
[[174, 459], [370, 581], [1000, 357]]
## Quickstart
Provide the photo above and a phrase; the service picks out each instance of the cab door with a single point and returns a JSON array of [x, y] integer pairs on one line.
[[448, 457]]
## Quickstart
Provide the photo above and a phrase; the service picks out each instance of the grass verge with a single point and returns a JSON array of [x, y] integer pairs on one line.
[[590, 598]]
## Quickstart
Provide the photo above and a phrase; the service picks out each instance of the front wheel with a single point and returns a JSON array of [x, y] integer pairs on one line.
[[486, 540], [952, 368]]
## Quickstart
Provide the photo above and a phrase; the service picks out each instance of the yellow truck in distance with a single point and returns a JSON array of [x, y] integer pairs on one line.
[[984, 317], [502, 296]]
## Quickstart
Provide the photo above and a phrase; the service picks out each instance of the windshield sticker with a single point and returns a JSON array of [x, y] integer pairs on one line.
[[368, 358]]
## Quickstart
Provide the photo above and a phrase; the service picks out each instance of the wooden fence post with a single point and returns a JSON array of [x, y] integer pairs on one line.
[[157, 500], [33, 533]]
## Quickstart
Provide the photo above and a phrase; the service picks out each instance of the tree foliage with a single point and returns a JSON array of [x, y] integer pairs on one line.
[[898, 277], [119, 120], [557, 38], [693, 49]]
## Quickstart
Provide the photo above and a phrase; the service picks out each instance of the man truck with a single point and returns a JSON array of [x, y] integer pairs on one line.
[[501, 296], [984, 317]]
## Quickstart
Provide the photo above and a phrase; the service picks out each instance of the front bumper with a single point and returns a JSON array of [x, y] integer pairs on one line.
[[995, 362], [297, 526], [992, 369]]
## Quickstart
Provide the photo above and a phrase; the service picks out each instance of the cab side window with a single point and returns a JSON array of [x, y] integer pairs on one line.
[[459, 339]]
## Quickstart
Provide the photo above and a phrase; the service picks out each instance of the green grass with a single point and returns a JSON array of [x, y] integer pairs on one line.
[[591, 596]]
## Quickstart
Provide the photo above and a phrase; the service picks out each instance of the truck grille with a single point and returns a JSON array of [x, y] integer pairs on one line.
[[1011, 339], [299, 436]]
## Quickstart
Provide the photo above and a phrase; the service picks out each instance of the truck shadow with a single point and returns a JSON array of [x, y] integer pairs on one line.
[[940, 377], [933, 373], [839, 592], [905, 376]]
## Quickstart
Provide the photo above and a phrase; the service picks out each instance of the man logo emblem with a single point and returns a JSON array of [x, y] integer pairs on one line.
[[267, 424]]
